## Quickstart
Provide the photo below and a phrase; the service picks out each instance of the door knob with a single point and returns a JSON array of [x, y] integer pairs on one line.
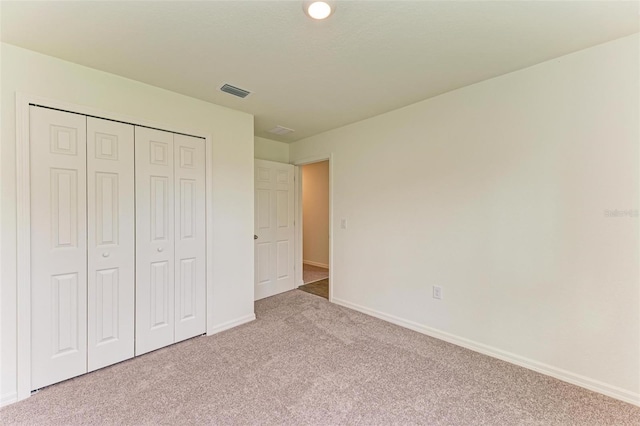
[[160, 249], [255, 237], [105, 254]]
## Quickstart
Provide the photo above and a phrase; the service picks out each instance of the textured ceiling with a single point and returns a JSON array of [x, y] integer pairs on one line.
[[368, 58]]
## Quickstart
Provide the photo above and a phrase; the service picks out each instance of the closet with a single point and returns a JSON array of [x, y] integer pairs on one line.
[[117, 242], [170, 238]]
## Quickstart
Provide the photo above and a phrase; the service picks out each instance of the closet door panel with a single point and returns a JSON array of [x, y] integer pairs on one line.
[[154, 156], [111, 239], [190, 272], [58, 246]]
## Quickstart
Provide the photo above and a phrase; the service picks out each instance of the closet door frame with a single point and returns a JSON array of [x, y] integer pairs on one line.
[[23, 229]]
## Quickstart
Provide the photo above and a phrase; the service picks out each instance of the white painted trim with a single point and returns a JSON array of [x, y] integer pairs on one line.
[[549, 370], [301, 162], [2, 337], [318, 264], [231, 324], [299, 274], [8, 398], [23, 249], [210, 270], [23, 194], [315, 281], [313, 159]]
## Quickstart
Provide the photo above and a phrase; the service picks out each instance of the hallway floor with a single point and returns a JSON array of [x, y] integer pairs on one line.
[[312, 273], [319, 288], [316, 280]]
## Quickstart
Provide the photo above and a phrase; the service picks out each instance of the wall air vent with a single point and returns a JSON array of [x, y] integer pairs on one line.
[[235, 91], [279, 130]]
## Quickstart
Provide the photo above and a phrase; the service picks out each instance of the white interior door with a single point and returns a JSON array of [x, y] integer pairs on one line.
[[274, 228], [58, 246], [190, 242], [154, 239], [111, 239]]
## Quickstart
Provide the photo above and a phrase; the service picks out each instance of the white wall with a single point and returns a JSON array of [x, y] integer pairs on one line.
[[267, 149], [497, 192], [232, 136], [315, 213]]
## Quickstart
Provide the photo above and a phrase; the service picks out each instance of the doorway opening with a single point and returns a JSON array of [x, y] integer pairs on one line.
[[315, 228]]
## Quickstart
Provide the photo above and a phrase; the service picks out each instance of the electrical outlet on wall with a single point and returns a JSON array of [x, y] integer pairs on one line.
[[437, 292]]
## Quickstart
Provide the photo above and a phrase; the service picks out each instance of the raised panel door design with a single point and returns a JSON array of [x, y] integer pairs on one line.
[[111, 242], [58, 246], [84, 282], [159, 190], [283, 250], [263, 174], [282, 208], [107, 306], [284, 228], [155, 240], [263, 252], [64, 140], [188, 188], [282, 177], [187, 157], [263, 208], [159, 300], [159, 153], [188, 289], [274, 228], [107, 210], [106, 146], [190, 245], [64, 209], [64, 307]]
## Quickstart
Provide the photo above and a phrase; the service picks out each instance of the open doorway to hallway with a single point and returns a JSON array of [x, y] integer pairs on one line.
[[315, 228]]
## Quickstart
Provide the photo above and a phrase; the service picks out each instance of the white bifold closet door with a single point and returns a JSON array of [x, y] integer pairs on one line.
[[190, 247], [82, 244], [58, 246], [111, 242], [170, 238]]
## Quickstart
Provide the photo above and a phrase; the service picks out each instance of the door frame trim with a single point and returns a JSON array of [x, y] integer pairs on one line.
[[23, 219], [298, 212]]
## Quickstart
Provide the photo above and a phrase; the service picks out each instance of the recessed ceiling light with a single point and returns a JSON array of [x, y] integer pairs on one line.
[[318, 9]]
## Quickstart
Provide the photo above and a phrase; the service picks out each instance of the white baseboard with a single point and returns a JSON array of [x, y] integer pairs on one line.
[[558, 373], [312, 263], [301, 282], [230, 324], [8, 398]]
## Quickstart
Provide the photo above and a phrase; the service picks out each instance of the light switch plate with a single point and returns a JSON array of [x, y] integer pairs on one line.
[[437, 292]]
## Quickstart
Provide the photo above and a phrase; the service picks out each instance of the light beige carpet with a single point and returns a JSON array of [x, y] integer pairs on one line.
[[307, 361], [311, 274]]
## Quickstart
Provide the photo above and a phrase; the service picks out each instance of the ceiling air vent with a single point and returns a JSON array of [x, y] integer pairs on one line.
[[235, 91], [279, 130]]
